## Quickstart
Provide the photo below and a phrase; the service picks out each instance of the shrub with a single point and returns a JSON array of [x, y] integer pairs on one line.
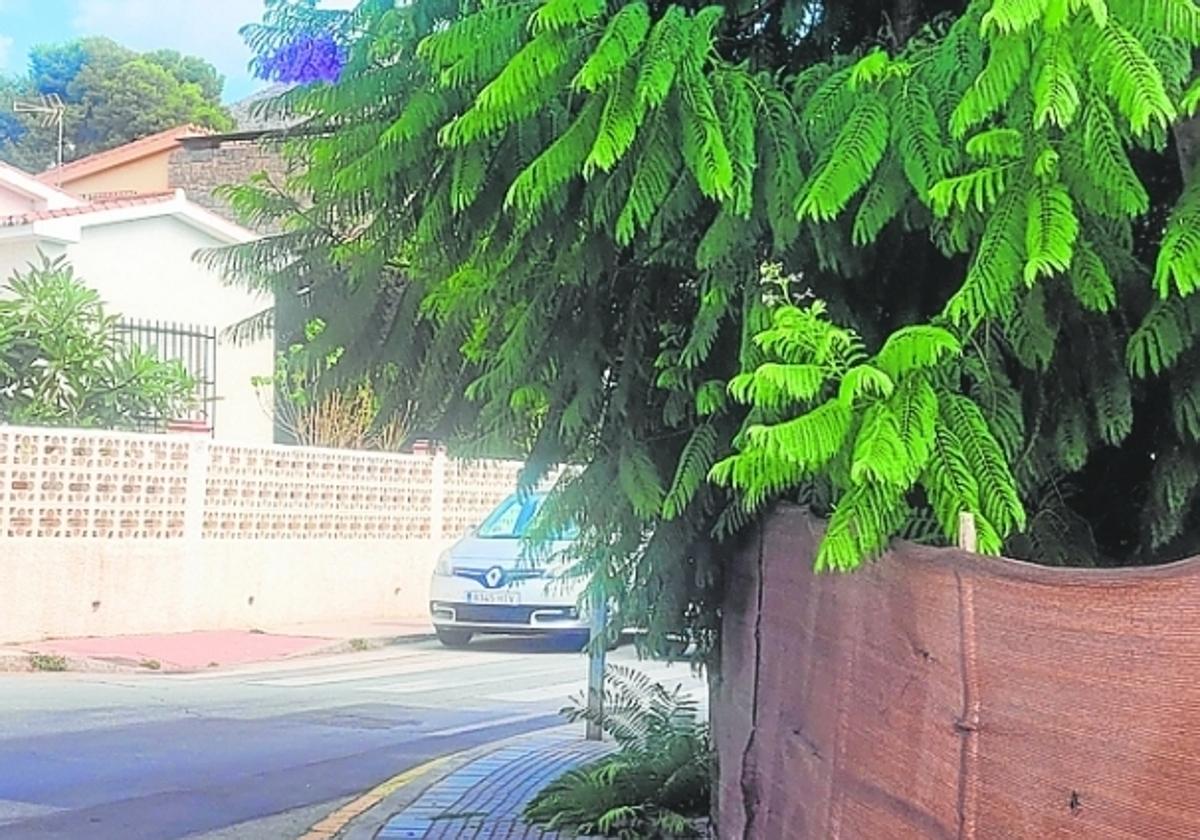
[[657, 784], [62, 362]]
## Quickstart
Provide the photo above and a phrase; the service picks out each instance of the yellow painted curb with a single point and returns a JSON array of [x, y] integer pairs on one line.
[[339, 819]]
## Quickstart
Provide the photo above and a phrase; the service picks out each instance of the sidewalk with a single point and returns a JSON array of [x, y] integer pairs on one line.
[[481, 796], [209, 649]]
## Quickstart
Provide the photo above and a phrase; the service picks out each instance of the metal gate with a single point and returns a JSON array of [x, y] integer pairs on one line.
[[195, 347]]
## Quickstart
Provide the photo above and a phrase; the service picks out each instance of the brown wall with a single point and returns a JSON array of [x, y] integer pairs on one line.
[[199, 171], [943, 695], [144, 175]]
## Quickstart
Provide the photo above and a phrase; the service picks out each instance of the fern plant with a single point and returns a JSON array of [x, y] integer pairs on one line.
[[551, 216], [658, 782]]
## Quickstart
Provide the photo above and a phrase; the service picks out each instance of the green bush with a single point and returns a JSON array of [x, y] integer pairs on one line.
[[657, 784], [62, 362]]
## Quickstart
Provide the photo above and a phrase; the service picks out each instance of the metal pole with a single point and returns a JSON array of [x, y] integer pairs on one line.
[[597, 652]]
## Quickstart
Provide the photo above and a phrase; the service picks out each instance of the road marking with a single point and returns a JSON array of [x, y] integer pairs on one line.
[[554, 691], [342, 675], [400, 653], [564, 690], [471, 685], [485, 724], [408, 687]]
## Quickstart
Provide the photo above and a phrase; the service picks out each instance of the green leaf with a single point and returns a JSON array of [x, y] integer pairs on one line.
[[1055, 92], [864, 382], [561, 14], [919, 135], [1050, 231], [639, 481], [1178, 262], [879, 453], [697, 458], [619, 123], [1131, 78], [856, 152], [979, 189], [1090, 280], [660, 59], [808, 441], [563, 160], [705, 149], [1011, 16], [915, 407], [869, 69], [997, 144], [916, 347], [1006, 69], [624, 35], [999, 500]]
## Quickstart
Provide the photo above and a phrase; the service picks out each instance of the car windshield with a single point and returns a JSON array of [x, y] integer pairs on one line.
[[511, 520]]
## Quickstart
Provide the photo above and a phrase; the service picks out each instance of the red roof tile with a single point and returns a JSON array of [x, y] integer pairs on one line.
[[91, 207]]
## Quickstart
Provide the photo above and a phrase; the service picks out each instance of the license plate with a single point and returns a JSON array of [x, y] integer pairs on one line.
[[499, 597]]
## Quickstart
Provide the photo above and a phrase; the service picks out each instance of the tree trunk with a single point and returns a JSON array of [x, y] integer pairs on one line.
[[905, 18], [1187, 144]]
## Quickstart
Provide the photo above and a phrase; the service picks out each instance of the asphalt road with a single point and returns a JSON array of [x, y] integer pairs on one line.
[[263, 751]]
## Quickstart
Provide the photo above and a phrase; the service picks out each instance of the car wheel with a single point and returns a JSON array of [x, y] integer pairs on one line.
[[452, 638]]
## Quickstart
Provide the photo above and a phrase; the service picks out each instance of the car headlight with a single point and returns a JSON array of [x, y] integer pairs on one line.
[[445, 565]]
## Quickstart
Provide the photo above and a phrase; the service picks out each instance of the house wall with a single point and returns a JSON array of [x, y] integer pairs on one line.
[[16, 255], [144, 175], [145, 269], [106, 533], [13, 203], [200, 170]]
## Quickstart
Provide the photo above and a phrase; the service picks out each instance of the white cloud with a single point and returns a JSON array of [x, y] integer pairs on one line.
[[5, 50]]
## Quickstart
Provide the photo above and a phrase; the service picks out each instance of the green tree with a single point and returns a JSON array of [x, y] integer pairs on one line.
[[981, 257], [113, 95], [137, 98], [190, 69], [63, 363]]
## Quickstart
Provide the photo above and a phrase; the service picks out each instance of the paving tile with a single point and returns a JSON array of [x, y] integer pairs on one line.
[[485, 800]]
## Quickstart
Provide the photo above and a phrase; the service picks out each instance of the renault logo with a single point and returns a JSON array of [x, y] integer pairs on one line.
[[494, 578]]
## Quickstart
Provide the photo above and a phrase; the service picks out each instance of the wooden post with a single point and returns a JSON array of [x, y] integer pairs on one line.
[[967, 539], [597, 653]]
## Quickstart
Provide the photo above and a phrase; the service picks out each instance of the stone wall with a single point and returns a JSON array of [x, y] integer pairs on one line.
[[939, 694], [200, 168]]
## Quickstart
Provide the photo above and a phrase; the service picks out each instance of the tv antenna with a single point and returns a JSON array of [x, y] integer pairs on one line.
[[50, 110]]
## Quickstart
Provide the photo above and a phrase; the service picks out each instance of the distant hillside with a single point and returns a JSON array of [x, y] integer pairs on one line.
[[248, 114]]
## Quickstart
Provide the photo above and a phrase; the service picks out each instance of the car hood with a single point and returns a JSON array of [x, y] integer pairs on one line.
[[473, 552]]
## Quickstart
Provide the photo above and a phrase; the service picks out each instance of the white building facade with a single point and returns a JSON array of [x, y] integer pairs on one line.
[[138, 253]]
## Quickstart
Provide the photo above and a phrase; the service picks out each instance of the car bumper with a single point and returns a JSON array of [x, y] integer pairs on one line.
[[525, 619]]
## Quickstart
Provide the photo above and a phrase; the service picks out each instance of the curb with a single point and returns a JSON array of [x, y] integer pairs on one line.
[[18, 660], [333, 824], [355, 820], [365, 644]]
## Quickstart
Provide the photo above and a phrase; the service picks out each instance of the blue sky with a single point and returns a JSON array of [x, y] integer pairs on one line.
[[207, 28]]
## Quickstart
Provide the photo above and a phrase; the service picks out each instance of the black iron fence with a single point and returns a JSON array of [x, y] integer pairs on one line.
[[194, 347]]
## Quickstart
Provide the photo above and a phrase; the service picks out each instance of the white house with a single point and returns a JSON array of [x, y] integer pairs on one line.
[[138, 252]]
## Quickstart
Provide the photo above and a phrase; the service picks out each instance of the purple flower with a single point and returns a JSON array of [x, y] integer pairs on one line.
[[308, 58]]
